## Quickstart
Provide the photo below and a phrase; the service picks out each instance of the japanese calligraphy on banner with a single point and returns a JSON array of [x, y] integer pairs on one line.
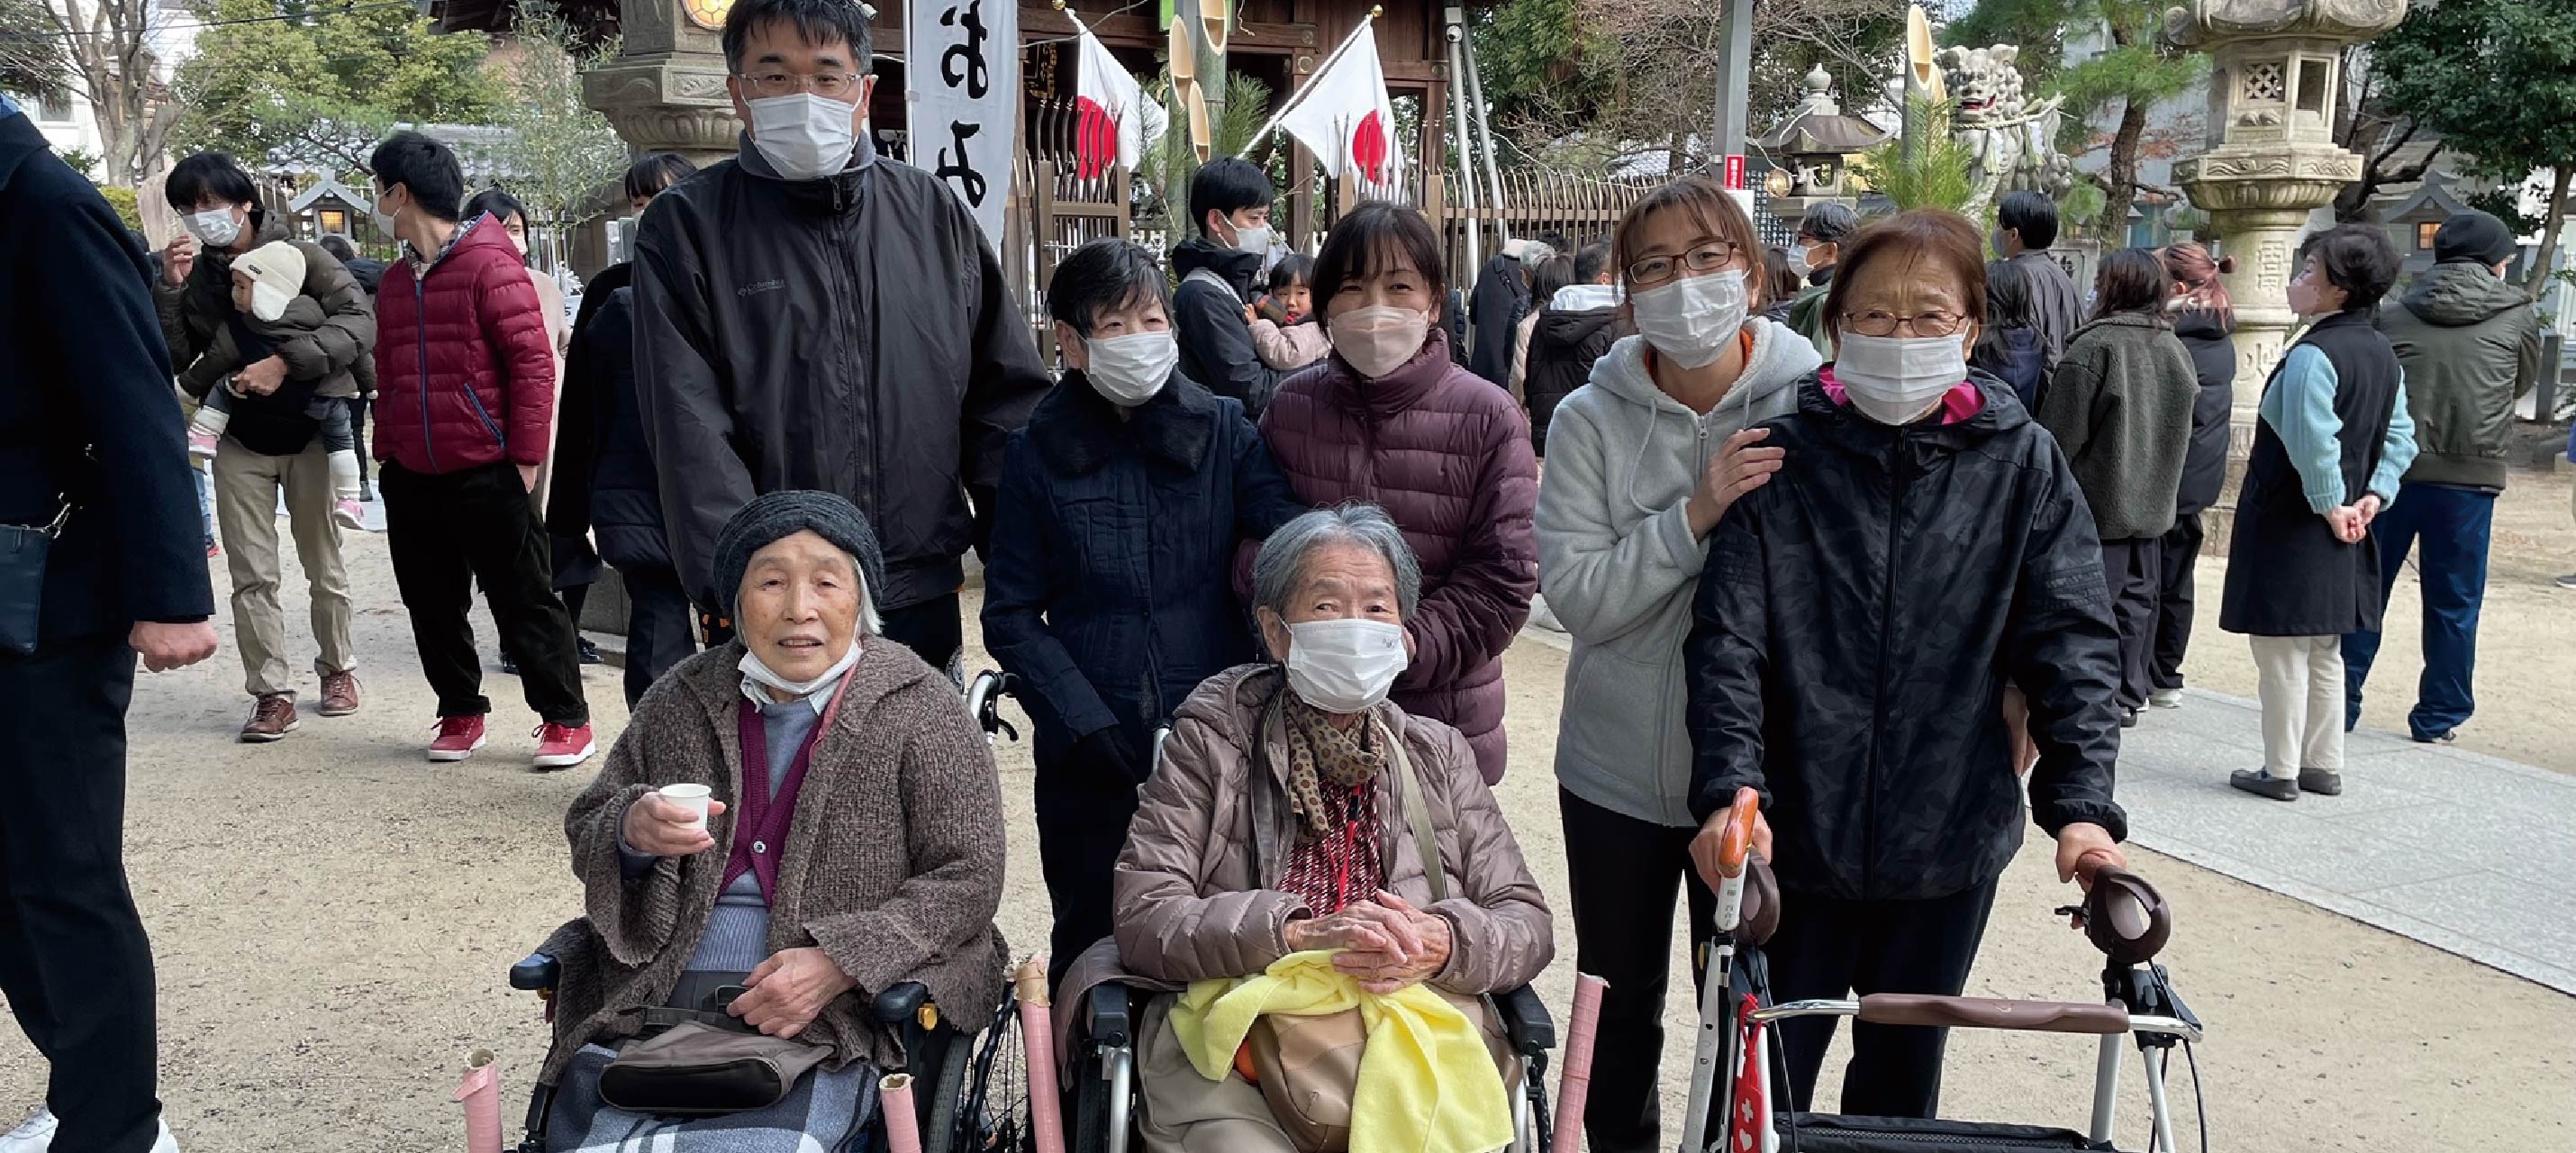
[[962, 86]]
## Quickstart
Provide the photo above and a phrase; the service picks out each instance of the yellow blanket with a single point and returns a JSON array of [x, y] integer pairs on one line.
[[1427, 1083]]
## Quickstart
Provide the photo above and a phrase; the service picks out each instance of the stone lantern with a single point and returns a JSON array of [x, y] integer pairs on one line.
[[665, 91], [1808, 148], [2270, 159]]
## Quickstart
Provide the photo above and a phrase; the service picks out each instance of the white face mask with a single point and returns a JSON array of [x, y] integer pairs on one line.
[[1129, 370], [804, 136], [1344, 666], [215, 228], [1691, 319], [1894, 379], [1799, 261], [1378, 339], [1252, 238], [757, 672]]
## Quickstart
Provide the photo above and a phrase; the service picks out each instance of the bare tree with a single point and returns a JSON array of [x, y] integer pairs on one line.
[[107, 45], [2379, 135]]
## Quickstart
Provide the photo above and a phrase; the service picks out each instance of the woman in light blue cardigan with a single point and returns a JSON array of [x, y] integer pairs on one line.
[[2334, 439]]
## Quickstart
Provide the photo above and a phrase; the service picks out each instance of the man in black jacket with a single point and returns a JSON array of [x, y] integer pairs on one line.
[[2025, 229], [89, 441], [1230, 200], [810, 317], [1502, 299]]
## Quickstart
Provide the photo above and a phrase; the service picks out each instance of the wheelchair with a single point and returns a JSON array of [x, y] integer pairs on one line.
[[1101, 1091], [970, 1084]]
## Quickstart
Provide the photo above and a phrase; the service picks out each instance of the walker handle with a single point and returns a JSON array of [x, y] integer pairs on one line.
[[1990, 1013], [1735, 845]]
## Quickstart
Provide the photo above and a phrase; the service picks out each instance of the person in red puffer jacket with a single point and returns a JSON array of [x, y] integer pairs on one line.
[[464, 403]]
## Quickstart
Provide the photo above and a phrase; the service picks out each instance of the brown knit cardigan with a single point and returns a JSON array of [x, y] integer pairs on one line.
[[893, 865]]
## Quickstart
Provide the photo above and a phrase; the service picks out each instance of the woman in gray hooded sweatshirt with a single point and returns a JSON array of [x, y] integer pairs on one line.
[[1641, 464]]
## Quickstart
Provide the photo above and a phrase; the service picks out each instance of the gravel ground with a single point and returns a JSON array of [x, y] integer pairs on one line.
[[333, 916]]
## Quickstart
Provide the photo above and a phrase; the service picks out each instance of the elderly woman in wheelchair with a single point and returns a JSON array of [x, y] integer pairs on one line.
[[849, 854], [1313, 862]]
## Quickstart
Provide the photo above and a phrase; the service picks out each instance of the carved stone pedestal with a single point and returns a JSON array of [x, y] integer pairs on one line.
[[2271, 159]]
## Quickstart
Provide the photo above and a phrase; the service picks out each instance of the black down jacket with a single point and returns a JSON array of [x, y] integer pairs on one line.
[[852, 334], [1853, 632], [604, 478], [1563, 348]]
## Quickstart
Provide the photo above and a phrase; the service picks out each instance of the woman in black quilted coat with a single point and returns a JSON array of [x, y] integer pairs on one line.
[[1860, 614]]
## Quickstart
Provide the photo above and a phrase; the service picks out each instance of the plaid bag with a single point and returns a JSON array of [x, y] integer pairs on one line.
[[826, 1112]]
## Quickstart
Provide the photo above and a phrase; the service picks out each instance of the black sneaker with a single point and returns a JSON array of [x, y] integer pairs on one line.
[[2263, 784], [2128, 718], [2568, 581], [590, 653], [2322, 782], [509, 667]]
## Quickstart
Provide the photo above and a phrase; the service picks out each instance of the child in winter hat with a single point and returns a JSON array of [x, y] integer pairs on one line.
[[271, 309]]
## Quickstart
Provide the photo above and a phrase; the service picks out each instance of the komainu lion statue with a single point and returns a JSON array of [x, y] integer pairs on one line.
[[2011, 143]]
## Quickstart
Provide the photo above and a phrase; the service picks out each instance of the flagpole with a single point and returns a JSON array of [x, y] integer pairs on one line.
[[1327, 66]]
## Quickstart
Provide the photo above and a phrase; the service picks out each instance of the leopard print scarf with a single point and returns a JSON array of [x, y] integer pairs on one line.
[[1320, 751]]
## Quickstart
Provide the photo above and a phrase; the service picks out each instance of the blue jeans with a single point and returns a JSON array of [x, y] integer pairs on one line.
[[2451, 526]]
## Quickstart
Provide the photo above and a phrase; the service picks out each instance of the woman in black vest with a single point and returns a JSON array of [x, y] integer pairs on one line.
[[2334, 439]]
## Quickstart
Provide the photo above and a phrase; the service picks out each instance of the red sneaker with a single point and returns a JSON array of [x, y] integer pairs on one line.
[[563, 746], [458, 737]]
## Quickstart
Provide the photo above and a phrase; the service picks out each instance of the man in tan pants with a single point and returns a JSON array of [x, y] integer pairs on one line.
[[246, 490]]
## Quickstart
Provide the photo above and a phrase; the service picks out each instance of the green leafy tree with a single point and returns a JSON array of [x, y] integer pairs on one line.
[[559, 153], [2133, 71], [2496, 79], [299, 82]]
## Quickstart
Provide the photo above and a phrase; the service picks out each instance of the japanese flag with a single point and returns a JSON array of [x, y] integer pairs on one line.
[[1110, 112], [1344, 116]]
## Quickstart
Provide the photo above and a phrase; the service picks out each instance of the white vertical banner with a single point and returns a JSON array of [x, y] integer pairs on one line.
[[962, 88]]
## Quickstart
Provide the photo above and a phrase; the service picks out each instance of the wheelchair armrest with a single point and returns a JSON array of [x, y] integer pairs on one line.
[[1105, 1017], [537, 971], [1525, 1020], [899, 1004]]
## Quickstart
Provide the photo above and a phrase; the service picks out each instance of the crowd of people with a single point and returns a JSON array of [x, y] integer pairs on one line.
[[1898, 537]]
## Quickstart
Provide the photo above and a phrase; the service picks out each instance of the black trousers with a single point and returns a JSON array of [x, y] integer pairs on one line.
[[657, 627], [73, 958], [2177, 552], [1622, 875], [1083, 808], [931, 629], [451, 531], [2132, 568], [1828, 948]]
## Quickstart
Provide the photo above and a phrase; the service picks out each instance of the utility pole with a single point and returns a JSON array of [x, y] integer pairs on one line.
[[1734, 92]]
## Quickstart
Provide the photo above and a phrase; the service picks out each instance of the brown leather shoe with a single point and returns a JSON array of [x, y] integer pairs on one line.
[[271, 719], [339, 693]]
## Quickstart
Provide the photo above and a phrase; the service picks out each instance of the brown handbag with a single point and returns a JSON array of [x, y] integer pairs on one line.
[[694, 1069], [1308, 1068]]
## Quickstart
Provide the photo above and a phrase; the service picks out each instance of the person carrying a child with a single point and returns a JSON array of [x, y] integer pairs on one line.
[[1285, 334], [269, 369], [269, 309]]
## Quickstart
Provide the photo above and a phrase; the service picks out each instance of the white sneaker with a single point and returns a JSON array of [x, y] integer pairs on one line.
[[33, 1135], [167, 1142], [2165, 698]]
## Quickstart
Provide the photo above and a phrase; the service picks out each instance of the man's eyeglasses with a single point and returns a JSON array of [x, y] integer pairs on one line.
[[1878, 322], [829, 85], [1706, 258]]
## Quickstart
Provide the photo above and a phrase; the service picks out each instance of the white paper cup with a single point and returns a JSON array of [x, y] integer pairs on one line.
[[691, 797]]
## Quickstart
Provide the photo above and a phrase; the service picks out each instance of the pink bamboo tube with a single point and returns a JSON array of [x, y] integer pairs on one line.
[[1574, 1081], [903, 1126], [481, 1095], [1037, 1030]]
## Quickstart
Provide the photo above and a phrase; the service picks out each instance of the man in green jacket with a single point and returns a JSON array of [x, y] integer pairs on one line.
[[2470, 345]]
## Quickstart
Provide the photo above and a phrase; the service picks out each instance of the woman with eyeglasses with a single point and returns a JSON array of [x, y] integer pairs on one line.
[[1644, 462], [1854, 628]]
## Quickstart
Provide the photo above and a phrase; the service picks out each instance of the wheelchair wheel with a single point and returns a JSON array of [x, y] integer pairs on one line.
[[988, 1099], [940, 1119], [1103, 1104]]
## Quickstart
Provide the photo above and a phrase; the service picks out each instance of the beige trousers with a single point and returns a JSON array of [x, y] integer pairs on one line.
[[1187, 1113], [246, 488], [2301, 682]]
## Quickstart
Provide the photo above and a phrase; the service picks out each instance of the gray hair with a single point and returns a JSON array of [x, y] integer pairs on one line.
[[1281, 564]]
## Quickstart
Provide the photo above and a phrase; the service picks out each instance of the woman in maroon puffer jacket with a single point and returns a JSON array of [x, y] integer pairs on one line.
[[1391, 420]]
